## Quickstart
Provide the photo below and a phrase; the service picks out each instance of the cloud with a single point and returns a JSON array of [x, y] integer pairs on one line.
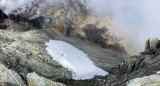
[[10, 5], [134, 19]]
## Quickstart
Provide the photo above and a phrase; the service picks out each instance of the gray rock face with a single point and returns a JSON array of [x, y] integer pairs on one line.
[[35, 80], [151, 44], [152, 80], [63, 15], [9, 77], [146, 63], [25, 52], [68, 16]]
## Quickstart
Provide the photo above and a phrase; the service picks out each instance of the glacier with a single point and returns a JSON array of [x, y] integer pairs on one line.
[[74, 60]]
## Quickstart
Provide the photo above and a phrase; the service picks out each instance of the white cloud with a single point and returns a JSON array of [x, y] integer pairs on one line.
[[135, 19], [10, 5]]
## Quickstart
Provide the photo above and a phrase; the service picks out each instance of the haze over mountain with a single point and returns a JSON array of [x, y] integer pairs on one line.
[[130, 18]]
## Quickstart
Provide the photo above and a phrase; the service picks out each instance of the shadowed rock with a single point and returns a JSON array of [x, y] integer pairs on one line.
[[3, 17], [95, 34]]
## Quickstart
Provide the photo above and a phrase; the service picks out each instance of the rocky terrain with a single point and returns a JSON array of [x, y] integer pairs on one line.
[[152, 80], [24, 60]]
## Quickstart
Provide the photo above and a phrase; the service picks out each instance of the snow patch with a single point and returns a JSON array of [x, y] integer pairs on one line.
[[74, 60]]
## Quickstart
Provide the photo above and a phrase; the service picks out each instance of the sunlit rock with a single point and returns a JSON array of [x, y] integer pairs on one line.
[[153, 80], [151, 44], [9, 77], [36, 80]]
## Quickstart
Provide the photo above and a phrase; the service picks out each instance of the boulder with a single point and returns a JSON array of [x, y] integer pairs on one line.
[[9, 77], [151, 44], [152, 80], [36, 80], [158, 73]]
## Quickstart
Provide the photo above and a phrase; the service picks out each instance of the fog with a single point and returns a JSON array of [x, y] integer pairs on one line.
[[10, 5], [136, 20]]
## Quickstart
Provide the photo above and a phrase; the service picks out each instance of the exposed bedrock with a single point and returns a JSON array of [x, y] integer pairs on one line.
[[3, 19], [70, 18], [22, 46], [24, 52], [146, 63]]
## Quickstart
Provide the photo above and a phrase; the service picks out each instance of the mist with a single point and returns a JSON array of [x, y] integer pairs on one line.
[[10, 5], [136, 20]]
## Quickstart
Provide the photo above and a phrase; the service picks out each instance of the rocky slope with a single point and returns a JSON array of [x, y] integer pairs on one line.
[[152, 80], [11, 78], [17, 53], [24, 52], [69, 18], [146, 63], [63, 14], [23, 37], [133, 71]]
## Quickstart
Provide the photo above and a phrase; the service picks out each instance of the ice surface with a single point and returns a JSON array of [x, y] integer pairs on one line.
[[74, 60]]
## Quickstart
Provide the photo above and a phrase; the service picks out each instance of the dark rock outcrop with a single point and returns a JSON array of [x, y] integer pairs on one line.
[[3, 15], [3, 26], [29, 23], [3, 18], [95, 34]]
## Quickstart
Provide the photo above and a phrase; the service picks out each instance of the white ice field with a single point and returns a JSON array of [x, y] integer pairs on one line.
[[74, 60]]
